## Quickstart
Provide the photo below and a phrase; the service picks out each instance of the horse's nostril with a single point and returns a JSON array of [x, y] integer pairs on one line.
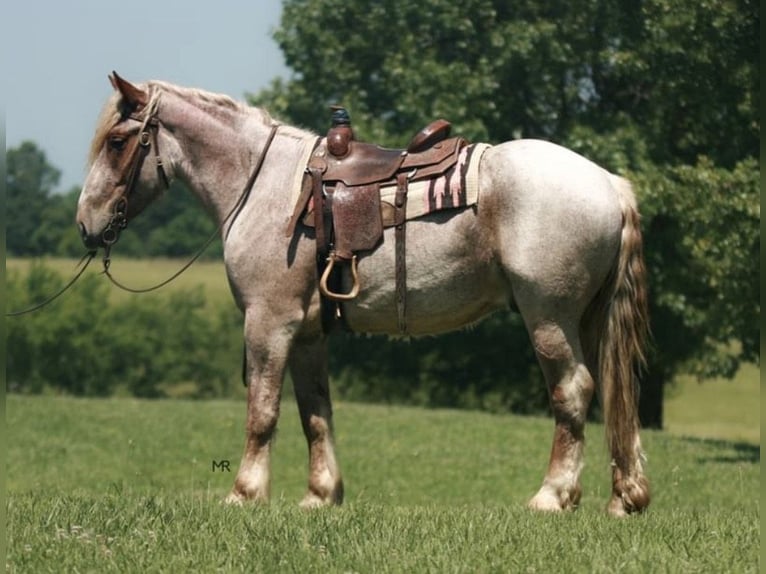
[[90, 241]]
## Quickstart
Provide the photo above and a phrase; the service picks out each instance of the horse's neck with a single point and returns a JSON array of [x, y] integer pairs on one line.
[[218, 149]]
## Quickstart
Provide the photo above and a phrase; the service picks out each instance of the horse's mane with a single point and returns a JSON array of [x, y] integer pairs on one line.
[[113, 111]]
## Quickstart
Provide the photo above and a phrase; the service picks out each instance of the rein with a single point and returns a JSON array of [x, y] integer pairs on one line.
[[90, 255]]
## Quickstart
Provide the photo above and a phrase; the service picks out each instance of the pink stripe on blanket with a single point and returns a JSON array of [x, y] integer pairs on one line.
[[447, 190]]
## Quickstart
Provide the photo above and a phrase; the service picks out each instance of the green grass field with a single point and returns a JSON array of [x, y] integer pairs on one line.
[[123, 485], [729, 409]]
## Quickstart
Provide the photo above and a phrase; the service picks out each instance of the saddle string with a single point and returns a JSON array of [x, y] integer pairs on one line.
[[90, 255], [233, 214]]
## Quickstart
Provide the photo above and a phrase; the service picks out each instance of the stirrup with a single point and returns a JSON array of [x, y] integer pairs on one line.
[[324, 290]]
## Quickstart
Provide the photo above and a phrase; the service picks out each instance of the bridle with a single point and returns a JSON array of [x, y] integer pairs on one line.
[[118, 221], [142, 145]]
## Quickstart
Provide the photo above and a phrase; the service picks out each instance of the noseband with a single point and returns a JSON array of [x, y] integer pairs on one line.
[[143, 144]]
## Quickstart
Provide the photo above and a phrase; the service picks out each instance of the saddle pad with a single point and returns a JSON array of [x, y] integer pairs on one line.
[[457, 187]]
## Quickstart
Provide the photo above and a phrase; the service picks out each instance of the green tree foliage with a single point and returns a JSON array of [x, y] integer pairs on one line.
[[685, 74], [29, 181], [688, 75], [703, 245], [492, 368], [664, 91], [83, 344], [174, 226]]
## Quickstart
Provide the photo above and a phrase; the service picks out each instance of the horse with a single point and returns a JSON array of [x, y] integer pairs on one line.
[[553, 236]]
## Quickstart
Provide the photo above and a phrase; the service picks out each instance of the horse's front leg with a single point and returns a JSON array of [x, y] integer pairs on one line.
[[308, 367], [267, 349]]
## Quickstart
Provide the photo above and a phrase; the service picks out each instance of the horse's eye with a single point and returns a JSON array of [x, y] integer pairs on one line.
[[116, 143]]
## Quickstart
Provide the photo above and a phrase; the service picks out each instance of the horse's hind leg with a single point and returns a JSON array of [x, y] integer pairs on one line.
[[571, 387], [308, 367]]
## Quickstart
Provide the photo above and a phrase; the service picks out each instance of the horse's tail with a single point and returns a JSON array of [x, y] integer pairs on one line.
[[622, 335]]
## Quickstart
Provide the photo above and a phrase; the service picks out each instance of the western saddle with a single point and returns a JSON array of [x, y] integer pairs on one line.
[[342, 184]]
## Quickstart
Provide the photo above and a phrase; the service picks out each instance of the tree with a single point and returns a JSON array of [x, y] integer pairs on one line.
[[703, 251], [644, 88], [29, 181], [84, 344], [685, 74]]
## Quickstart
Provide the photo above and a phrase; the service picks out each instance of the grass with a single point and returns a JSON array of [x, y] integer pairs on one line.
[[141, 273], [123, 485], [728, 409]]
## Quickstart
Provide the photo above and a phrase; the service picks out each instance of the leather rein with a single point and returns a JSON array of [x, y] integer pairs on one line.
[[118, 221]]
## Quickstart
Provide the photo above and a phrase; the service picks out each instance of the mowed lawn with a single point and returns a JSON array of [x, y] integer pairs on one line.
[[729, 409], [124, 485]]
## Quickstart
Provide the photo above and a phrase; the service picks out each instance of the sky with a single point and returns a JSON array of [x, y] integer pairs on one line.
[[57, 57]]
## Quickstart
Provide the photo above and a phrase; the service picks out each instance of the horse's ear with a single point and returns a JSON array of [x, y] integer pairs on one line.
[[133, 95]]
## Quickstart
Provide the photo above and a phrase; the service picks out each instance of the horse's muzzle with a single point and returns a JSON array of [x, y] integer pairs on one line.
[[90, 241]]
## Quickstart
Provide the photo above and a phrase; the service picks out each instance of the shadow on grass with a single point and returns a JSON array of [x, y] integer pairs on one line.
[[736, 452]]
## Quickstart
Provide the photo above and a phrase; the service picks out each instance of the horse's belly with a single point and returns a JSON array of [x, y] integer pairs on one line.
[[452, 280]]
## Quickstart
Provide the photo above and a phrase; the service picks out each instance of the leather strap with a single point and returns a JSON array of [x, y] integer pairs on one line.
[[142, 147], [400, 236], [250, 182], [330, 310], [143, 144], [318, 197]]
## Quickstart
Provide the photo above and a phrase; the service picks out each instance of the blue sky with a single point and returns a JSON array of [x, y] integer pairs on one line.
[[57, 55]]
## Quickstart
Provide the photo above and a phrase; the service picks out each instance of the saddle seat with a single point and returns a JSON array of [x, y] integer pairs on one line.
[[365, 163]]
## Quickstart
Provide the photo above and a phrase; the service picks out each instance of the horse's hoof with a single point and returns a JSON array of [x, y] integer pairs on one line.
[[550, 500], [238, 498], [233, 499], [629, 496], [545, 502], [616, 508], [311, 501]]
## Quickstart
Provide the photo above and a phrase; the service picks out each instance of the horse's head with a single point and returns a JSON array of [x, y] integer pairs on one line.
[[129, 163]]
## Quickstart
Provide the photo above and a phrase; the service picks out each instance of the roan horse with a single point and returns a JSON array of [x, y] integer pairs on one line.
[[553, 236]]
